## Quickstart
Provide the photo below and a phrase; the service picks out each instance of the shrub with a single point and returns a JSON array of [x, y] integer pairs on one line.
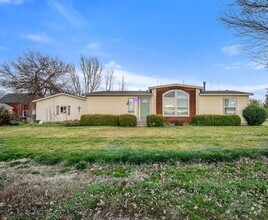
[[216, 120], [155, 120], [99, 120], [5, 118], [127, 120], [177, 122], [254, 115], [71, 123]]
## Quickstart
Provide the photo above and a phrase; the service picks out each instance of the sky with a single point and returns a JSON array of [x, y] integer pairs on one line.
[[150, 42]]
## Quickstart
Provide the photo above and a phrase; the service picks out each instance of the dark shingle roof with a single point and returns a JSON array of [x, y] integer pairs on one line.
[[118, 93], [16, 98], [224, 92]]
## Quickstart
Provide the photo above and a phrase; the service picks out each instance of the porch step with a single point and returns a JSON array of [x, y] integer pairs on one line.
[[141, 124]]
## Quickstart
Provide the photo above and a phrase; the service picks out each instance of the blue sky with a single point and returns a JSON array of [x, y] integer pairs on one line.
[[150, 42]]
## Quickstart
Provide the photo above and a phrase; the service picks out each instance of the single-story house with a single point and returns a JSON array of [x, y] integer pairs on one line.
[[60, 107], [173, 101], [21, 103], [7, 107]]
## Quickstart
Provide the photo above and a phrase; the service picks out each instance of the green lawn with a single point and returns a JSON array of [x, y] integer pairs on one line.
[[143, 173], [52, 144]]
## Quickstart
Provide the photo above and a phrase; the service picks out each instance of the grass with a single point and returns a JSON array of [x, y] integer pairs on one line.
[[224, 190], [53, 144], [134, 173], [179, 192]]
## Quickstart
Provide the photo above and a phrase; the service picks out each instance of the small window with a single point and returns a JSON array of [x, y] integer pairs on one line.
[[229, 106], [131, 105], [24, 113], [63, 109]]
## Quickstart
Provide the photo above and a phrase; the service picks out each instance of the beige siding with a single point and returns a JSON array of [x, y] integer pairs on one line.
[[153, 101], [110, 105], [197, 91], [215, 104], [46, 109]]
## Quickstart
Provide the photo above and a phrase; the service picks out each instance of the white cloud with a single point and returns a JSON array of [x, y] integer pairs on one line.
[[96, 49], [93, 46], [112, 64], [139, 81], [69, 13], [232, 49], [240, 65], [41, 38], [12, 2]]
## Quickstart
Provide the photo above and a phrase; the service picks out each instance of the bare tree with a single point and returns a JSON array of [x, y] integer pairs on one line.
[[2, 93], [92, 73], [266, 100], [74, 81], [122, 84], [249, 18], [34, 73], [109, 78]]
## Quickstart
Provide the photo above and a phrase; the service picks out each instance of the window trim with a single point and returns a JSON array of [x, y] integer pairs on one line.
[[133, 101], [188, 97], [224, 107]]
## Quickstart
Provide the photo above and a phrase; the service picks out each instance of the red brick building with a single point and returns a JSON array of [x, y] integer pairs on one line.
[[22, 105]]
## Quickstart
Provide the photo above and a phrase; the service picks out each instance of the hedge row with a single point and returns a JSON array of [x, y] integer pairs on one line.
[[125, 120], [155, 120], [216, 120]]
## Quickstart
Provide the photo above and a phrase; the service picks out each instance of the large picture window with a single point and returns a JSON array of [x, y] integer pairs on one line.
[[229, 106], [176, 103]]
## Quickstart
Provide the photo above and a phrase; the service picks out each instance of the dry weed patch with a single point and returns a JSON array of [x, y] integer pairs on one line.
[[227, 190]]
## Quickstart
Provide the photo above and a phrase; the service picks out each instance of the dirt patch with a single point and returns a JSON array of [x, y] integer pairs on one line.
[[32, 187]]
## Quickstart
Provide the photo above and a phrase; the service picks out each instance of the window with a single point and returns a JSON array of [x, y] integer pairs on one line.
[[131, 105], [176, 103], [63, 109], [229, 106], [24, 113]]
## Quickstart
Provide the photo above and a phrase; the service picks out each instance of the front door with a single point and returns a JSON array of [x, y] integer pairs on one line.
[[144, 108]]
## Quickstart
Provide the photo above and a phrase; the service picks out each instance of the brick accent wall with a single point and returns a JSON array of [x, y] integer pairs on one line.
[[192, 102]]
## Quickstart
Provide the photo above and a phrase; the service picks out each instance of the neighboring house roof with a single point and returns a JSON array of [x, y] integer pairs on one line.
[[176, 84], [5, 106], [119, 93], [16, 98], [224, 92], [59, 94]]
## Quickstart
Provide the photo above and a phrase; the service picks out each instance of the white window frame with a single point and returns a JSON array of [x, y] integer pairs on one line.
[[224, 107], [25, 113], [62, 108], [131, 110], [176, 107]]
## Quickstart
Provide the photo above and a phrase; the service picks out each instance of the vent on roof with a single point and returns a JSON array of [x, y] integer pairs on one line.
[[204, 86]]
